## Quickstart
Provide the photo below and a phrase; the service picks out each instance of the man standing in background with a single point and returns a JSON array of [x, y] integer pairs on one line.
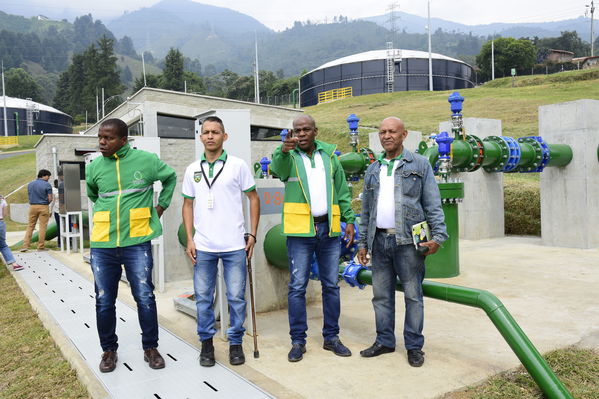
[[40, 196]]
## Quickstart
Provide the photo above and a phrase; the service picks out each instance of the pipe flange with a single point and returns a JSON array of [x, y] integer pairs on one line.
[[476, 158], [350, 274], [542, 154], [514, 154], [503, 158], [368, 155]]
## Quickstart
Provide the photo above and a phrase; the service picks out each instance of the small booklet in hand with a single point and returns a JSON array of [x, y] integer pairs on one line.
[[421, 233]]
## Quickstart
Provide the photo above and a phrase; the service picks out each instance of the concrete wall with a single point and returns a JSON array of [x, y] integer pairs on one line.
[[271, 281], [65, 145], [19, 213], [178, 154], [481, 214], [570, 194]]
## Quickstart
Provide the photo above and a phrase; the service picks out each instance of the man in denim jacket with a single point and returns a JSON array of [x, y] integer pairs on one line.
[[399, 191]]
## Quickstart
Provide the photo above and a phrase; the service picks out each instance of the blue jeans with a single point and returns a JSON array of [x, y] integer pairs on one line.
[[390, 261], [300, 251], [204, 282], [106, 266], [4, 249]]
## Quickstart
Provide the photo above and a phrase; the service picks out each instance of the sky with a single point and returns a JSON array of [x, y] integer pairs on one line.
[[280, 14]]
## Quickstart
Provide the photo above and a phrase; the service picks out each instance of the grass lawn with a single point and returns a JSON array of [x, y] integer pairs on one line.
[[25, 143], [16, 171], [577, 369], [34, 367]]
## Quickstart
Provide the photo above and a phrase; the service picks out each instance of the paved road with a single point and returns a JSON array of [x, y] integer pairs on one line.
[[12, 154]]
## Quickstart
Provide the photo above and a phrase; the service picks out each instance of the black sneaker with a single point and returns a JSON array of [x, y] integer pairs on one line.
[[236, 356], [337, 348], [296, 352], [415, 357], [207, 354]]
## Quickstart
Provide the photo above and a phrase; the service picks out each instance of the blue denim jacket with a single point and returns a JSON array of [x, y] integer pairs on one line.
[[417, 198]]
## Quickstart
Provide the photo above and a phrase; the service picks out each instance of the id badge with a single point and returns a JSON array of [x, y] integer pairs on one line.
[[210, 200]]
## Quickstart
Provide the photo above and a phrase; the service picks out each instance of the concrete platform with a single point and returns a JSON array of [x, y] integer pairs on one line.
[[551, 292]]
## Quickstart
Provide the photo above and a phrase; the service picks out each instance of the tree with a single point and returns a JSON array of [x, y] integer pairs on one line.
[[88, 73], [125, 46], [151, 81], [172, 76], [509, 53], [195, 84], [20, 84]]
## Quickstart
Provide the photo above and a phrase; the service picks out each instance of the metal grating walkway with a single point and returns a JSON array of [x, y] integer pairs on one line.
[[69, 299]]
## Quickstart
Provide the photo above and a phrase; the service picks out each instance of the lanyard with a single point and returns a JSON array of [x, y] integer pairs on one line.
[[215, 177]]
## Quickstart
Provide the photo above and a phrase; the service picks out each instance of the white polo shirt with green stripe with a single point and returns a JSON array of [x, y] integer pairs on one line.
[[220, 227]]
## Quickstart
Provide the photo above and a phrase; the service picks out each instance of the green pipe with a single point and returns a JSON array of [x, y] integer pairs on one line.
[[275, 247], [532, 360], [432, 154], [561, 154], [446, 262], [462, 154], [492, 153], [51, 231], [353, 163], [528, 155]]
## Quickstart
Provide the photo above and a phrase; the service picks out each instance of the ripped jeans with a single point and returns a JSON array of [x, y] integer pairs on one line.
[[106, 266]]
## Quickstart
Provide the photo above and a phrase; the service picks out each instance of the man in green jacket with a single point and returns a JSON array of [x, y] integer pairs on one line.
[[120, 184], [317, 200]]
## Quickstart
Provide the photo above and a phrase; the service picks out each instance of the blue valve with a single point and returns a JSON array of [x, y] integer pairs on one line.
[[456, 102], [444, 141], [353, 120], [264, 162]]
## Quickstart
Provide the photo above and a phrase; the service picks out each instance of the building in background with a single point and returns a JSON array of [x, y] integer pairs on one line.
[[25, 117], [381, 71]]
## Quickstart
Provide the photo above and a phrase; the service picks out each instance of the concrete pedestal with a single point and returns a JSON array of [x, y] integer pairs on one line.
[[481, 213], [570, 194]]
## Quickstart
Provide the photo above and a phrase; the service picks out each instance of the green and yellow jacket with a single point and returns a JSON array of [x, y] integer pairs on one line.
[[297, 216], [121, 187]]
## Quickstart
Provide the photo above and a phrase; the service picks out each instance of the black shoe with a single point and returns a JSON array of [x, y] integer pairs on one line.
[[296, 352], [337, 347], [415, 357], [375, 350], [236, 356], [207, 353], [108, 362]]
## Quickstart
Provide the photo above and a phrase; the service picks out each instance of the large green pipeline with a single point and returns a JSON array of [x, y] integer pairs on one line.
[[532, 360]]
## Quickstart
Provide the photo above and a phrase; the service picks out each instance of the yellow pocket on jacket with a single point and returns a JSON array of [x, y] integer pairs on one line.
[[296, 218], [336, 219], [139, 222], [101, 230]]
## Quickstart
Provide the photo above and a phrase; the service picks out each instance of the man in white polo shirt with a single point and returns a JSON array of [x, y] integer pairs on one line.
[[399, 191], [213, 205]]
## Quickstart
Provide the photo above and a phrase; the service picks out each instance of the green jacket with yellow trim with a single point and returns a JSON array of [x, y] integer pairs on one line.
[[121, 187], [297, 217]]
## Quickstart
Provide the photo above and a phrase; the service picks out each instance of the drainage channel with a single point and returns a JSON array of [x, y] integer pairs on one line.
[[69, 299]]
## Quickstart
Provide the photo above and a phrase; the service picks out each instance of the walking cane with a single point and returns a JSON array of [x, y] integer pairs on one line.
[[249, 262]]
